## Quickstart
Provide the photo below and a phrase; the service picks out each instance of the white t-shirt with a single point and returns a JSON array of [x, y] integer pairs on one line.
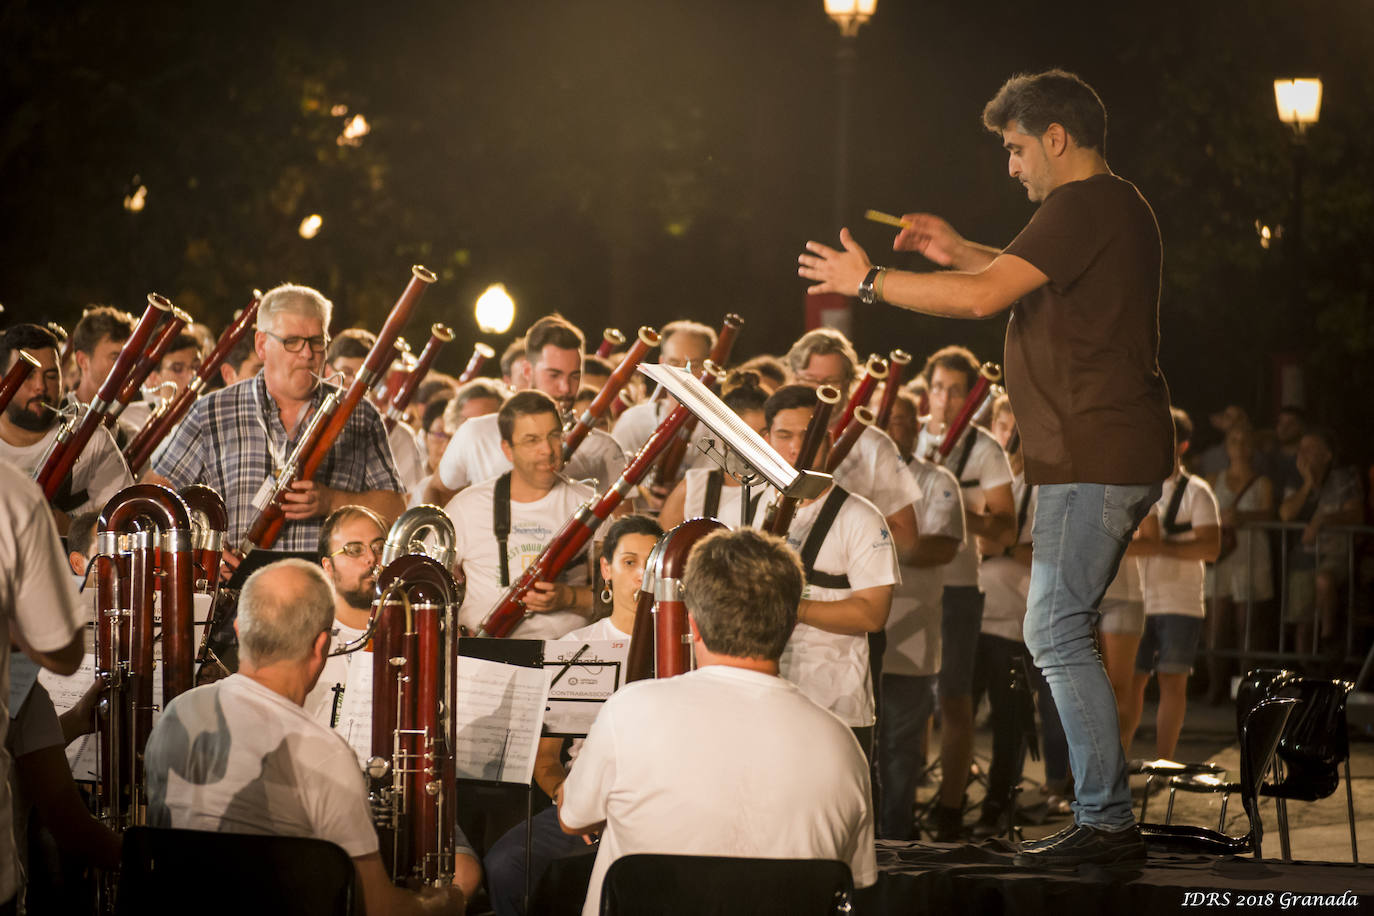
[[832, 668], [39, 602], [474, 455], [724, 762], [237, 757], [324, 701], [1169, 585], [100, 469], [410, 466], [874, 469], [913, 626], [1005, 582], [727, 511], [532, 526], [986, 469]]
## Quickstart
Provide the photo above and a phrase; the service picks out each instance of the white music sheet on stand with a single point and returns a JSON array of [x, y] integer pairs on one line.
[[500, 714], [587, 683], [355, 712]]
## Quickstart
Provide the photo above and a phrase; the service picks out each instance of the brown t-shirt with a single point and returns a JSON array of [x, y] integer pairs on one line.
[[1082, 351]]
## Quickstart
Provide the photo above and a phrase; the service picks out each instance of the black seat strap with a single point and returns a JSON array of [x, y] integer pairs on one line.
[[815, 538], [500, 522]]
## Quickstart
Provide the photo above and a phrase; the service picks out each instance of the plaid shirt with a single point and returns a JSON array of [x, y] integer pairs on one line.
[[223, 443]]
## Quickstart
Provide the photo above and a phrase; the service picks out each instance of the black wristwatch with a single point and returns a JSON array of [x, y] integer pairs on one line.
[[866, 294]]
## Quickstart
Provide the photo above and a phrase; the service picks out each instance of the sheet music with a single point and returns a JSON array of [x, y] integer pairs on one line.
[[577, 697], [355, 712], [66, 691], [500, 713]]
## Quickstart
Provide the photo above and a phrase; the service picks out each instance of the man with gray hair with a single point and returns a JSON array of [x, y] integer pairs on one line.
[[236, 439], [241, 755], [729, 759]]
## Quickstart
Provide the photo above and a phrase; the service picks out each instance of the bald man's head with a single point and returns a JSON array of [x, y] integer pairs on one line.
[[282, 609]]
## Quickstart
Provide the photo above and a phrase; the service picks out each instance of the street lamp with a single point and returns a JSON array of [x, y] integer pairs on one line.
[[495, 310], [1299, 102], [834, 310]]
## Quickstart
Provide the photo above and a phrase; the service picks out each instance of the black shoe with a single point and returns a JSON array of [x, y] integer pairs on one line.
[[992, 821], [949, 824], [1082, 844]]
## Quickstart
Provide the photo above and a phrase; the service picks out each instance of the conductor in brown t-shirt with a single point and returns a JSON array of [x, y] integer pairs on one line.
[[1082, 283]]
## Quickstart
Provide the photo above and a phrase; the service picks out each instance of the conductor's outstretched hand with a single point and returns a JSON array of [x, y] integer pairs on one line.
[[834, 271]]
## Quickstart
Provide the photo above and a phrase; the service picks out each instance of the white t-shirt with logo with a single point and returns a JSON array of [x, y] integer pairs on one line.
[[326, 699], [237, 757], [532, 526], [721, 761], [1170, 585], [874, 469], [1004, 581], [832, 668], [913, 626], [986, 469], [474, 455]]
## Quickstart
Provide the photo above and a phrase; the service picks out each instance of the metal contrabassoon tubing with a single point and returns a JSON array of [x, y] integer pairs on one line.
[[316, 441], [140, 449], [564, 546], [143, 543]]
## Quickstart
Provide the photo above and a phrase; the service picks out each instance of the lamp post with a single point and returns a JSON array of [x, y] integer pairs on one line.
[[834, 310], [1299, 104], [495, 310]]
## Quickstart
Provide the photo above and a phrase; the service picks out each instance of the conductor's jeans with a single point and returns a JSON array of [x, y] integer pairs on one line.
[[1081, 532]]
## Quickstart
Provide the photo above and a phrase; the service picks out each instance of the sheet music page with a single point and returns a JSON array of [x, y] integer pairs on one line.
[[586, 684], [355, 712], [66, 691], [500, 713]]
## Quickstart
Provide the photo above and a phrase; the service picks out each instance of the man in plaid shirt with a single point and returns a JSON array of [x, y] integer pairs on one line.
[[233, 439]]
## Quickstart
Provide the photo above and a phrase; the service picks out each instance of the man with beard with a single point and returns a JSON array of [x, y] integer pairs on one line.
[[351, 542], [30, 423], [554, 352]]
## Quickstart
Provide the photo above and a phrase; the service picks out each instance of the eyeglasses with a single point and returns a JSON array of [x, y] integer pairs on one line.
[[296, 344], [355, 549]]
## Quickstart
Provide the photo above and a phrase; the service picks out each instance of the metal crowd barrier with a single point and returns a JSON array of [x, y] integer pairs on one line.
[[1281, 548]]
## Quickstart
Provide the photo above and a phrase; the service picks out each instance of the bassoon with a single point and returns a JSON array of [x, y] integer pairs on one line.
[[315, 442], [143, 543], [646, 340], [874, 372], [863, 418], [611, 340], [480, 354], [570, 539], [15, 378], [897, 361], [661, 644], [151, 358], [72, 438], [140, 449], [988, 375], [439, 334], [665, 475], [781, 511]]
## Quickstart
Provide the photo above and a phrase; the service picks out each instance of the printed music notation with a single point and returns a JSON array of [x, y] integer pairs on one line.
[[500, 715], [355, 712]]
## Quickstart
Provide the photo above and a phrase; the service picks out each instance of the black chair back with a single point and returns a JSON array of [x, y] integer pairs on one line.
[[1316, 741], [665, 885], [196, 871], [1259, 740]]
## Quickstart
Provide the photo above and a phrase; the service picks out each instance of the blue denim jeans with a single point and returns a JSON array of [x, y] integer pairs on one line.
[[1081, 532], [907, 704]]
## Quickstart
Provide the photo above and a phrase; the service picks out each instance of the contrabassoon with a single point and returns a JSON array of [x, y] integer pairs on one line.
[[439, 334], [570, 539], [72, 438], [320, 438], [661, 644], [646, 340], [140, 449]]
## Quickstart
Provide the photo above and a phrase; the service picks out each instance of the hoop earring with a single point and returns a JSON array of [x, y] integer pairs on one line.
[[606, 596]]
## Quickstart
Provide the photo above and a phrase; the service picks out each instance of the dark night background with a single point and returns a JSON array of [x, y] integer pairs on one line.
[[631, 162]]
